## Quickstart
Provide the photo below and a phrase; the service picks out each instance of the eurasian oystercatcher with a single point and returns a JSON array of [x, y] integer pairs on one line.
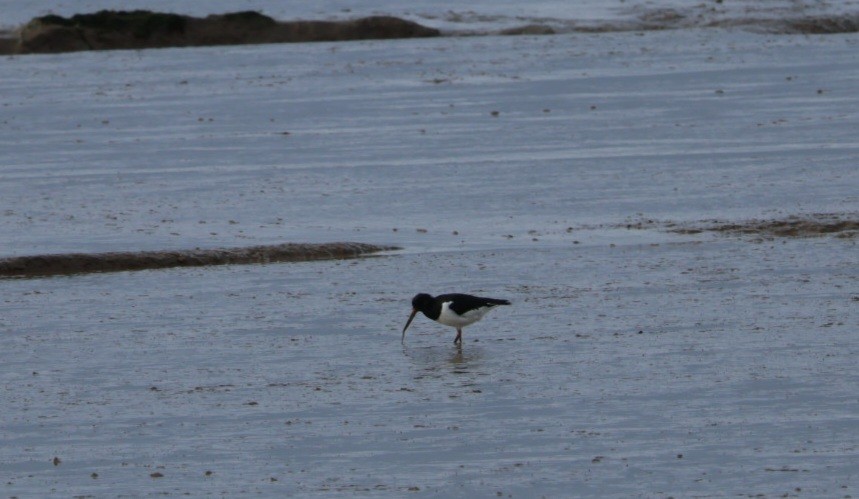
[[454, 310]]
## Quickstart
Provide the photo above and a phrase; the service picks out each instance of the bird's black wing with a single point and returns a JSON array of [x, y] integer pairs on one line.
[[463, 303]]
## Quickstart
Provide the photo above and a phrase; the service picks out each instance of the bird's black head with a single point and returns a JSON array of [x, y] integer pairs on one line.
[[422, 301]]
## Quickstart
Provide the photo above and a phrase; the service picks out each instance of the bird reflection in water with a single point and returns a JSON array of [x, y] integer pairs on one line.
[[435, 361]]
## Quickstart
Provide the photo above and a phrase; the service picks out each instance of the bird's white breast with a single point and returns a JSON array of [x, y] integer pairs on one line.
[[450, 318]]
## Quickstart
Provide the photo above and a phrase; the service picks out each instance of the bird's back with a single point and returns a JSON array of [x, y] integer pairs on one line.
[[461, 303]]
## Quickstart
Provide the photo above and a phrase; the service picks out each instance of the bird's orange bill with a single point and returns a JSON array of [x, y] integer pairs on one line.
[[414, 311]]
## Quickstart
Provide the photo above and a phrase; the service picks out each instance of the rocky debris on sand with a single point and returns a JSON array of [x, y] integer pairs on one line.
[[141, 29]]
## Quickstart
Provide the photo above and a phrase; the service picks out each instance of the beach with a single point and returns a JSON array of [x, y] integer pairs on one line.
[[672, 213]]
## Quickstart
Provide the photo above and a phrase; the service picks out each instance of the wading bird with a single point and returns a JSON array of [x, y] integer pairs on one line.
[[454, 310]]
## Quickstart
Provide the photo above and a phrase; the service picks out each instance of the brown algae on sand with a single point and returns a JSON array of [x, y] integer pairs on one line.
[[817, 225], [76, 263]]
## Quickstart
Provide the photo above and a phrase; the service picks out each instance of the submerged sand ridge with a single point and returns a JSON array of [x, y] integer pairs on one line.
[[76, 263], [836, 225]]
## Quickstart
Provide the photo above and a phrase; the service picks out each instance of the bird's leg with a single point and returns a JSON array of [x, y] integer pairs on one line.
[[458, 338]]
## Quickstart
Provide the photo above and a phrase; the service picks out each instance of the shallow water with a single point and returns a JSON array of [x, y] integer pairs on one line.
[[174, 149], [713, 367], [632, 362]]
